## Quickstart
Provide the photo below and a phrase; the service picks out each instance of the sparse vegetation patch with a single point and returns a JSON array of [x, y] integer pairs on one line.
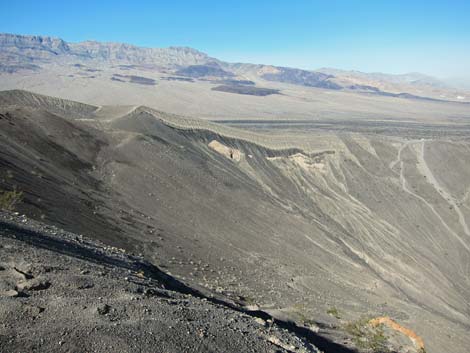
[[9, 199], [333, 312], [367, 337]]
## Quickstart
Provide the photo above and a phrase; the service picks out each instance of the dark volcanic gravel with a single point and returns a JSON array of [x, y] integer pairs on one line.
[[62, 293]]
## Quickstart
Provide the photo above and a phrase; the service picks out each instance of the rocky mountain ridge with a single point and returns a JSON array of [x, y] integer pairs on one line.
[[43, 48], [19, 53]]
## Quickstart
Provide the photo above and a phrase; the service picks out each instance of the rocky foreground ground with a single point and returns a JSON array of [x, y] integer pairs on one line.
[[62, 293]]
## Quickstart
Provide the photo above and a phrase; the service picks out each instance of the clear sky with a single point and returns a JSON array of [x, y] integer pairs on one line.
[[393, 36]]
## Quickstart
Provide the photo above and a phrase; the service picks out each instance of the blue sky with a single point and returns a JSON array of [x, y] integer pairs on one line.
[[391, 36]]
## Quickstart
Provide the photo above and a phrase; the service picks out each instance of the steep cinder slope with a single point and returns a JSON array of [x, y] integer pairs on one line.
[[357, 226], [53, 162], [366, 224]]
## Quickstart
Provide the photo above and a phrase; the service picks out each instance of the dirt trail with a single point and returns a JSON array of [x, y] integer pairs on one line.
[[398, 159], [406, 189], [426, 171]]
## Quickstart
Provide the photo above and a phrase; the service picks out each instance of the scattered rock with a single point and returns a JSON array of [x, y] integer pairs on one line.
[[84, 284], [313, 328], [33, 285], [103, 309], [260, 321], [9, 293], [150, 292], [276, 341], [24, 275], [252, 307], [34, 310]]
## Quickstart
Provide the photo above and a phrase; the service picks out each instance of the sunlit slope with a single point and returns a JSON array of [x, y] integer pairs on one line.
[[368, 224]]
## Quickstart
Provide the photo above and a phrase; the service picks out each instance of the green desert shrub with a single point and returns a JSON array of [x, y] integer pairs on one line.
[[333, 312], [9, 199], [367, 337]]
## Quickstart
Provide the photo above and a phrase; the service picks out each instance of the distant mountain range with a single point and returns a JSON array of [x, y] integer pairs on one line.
[[24, 53], [18, 49]]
